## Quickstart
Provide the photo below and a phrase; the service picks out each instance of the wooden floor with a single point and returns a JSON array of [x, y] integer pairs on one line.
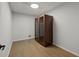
[[30, 48]]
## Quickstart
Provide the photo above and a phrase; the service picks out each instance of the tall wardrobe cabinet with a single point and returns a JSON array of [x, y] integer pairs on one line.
[[44, 30]]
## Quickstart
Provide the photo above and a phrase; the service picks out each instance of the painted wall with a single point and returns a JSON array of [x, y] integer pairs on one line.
[[66, 26], [23, 26], [5, 28]]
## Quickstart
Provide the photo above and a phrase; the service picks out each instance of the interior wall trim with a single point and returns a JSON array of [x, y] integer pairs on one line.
[[24, 39], [66, 49]]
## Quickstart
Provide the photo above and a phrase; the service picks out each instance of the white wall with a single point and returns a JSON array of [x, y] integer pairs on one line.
[[23, 26], [66, 26], [5, 28]]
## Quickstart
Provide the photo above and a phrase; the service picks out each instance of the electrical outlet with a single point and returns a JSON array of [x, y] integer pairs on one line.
[[29, 35]]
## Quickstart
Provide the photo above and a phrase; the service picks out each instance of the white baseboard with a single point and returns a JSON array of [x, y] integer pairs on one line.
[[23, 39], [66, 49]]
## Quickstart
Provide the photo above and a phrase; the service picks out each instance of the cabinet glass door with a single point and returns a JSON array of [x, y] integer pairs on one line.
[[37, 28], [41, 29]]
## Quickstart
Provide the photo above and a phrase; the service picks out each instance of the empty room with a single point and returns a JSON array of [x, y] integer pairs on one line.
[[39, 29]]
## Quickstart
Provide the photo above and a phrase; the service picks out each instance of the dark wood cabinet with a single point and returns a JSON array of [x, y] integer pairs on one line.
[[44, 30]]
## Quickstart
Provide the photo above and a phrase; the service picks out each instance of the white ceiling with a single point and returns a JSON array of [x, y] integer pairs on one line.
[[24, 7]]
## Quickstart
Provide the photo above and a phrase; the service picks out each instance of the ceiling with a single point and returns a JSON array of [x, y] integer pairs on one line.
[[24, 7]]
